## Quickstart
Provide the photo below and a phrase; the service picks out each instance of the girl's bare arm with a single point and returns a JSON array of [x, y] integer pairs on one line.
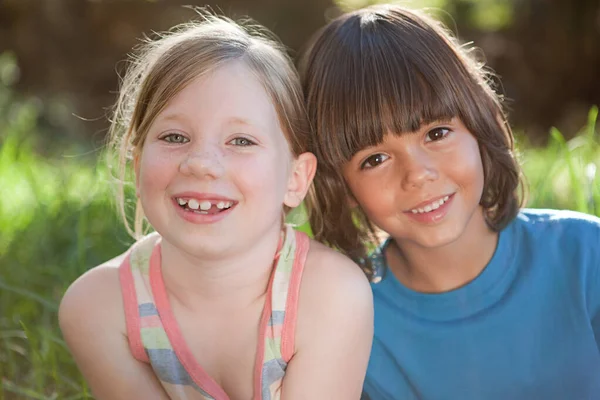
[[92, 321], [334, 330]]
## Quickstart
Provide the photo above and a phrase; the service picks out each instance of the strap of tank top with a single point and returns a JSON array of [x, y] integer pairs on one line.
[[132, 273]]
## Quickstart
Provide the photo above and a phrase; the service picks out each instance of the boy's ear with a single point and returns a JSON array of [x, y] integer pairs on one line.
[[302, 174], [351, 201]]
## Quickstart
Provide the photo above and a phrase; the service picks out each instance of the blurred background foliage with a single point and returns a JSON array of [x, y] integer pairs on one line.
[[58, 79]]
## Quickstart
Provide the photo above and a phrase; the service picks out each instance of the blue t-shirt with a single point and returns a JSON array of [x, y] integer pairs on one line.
[[528, 327]]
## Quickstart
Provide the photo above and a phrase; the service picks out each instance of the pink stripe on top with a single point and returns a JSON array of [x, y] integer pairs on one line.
[[132, 316], [155, 336], [291, 309], [171, 327]]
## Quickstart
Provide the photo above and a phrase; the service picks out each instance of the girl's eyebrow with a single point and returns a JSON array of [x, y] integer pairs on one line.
[[246, 122], [172, 116], [241, 121]]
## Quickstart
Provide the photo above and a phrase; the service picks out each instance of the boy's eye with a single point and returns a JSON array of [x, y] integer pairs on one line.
[[373, 161], [436, 134], [241, 141], [175, 138]]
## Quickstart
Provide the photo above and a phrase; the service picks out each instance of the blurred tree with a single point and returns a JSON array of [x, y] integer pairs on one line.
[[68, 50], [547, 52]]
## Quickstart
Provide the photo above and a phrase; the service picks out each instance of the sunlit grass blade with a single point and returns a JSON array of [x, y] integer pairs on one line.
[[577, 191]]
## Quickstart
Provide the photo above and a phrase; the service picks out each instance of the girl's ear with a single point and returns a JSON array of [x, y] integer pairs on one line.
[[136, 170], [303, 172]]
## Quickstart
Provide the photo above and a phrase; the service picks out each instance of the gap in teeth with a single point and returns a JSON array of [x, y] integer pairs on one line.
[[204, 205]]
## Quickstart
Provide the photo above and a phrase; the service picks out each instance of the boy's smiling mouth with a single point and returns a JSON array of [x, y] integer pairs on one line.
[[430, 205], [431, 211]]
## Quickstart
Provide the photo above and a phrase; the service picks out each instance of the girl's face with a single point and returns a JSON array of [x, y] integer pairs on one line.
[[215, 169], [422, 188]]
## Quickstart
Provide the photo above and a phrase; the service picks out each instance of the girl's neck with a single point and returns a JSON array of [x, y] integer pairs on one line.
[[444, 268], [230, 282]]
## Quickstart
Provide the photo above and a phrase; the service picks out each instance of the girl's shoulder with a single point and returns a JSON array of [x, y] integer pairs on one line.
[[95, 298], [333, 284], [326, 266], [334, 321]]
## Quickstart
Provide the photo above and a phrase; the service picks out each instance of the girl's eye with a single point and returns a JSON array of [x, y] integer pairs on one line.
[[436, 134], [242, 142], [175, 138], [373, 161]]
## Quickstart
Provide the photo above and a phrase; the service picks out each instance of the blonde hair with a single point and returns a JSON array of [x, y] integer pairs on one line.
[[163, 67]]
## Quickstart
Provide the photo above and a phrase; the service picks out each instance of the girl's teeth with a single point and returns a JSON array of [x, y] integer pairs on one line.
[[204, 205], [193, 204]]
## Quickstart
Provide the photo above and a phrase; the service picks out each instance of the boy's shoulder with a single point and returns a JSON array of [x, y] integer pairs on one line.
[[571, 233], [558, 221]]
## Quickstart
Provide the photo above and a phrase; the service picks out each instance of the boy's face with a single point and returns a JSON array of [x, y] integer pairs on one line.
[[424, 187]]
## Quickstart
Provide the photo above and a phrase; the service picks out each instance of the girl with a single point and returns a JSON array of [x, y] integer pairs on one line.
[[223, 301], [474, 297]]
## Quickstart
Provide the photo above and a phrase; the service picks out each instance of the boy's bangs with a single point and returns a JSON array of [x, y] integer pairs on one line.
[[383, 86]]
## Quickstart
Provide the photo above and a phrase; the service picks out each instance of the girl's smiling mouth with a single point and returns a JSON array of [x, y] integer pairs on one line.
[[204, 206]]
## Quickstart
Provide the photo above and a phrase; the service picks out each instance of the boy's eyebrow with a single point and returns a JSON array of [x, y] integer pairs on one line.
[[437, 121], [430, 124]]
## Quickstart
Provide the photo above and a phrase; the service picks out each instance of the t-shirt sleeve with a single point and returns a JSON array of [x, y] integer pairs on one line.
[[593, 286]]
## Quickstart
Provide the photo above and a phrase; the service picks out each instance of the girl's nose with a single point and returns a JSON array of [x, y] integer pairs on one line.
[[204, 164]]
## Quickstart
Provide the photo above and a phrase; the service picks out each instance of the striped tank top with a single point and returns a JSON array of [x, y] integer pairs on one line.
[[154, 335]]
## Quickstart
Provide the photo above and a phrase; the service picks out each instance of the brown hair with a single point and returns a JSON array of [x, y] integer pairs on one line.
[[387, 69], [163, 67]]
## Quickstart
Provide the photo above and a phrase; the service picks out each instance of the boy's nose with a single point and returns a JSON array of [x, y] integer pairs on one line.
[[418, 169]]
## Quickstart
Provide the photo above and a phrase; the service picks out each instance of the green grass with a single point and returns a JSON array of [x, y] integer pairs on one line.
[[57, 219], [566, 175]]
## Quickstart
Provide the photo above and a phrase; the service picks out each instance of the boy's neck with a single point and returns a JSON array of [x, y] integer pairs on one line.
[[232, 282], [444, 268]]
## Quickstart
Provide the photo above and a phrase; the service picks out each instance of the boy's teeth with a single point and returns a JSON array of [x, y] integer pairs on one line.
[[433, 206], [182, 202], [205, 205], [220, 205], [193, 204]]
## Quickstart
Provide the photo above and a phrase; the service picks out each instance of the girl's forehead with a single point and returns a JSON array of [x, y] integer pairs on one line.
[[230, 94]]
